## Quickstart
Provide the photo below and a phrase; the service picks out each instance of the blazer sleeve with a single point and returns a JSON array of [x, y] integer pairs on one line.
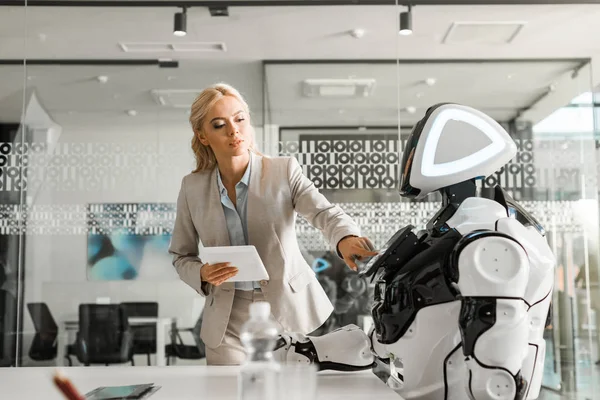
[[184, 245], [330, 219]]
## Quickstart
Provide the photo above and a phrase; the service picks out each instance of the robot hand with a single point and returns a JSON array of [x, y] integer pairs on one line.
[[344, 349]]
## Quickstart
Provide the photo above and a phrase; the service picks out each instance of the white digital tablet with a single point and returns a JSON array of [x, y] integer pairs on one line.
[[245, 258]]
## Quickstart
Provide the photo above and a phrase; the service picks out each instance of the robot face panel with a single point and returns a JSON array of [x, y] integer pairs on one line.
[[452, 144]]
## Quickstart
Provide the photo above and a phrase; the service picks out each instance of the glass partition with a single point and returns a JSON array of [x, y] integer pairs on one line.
[[99, 139], [108, 146], [13, 103]]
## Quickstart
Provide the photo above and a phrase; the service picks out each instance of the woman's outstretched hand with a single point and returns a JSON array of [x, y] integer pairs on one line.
[[354, 248]]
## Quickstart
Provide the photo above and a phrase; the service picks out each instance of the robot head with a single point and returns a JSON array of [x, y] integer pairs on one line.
[[452, 144]]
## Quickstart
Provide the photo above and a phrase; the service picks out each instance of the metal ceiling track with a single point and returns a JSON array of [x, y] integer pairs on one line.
[[278, 3], [92, 62]]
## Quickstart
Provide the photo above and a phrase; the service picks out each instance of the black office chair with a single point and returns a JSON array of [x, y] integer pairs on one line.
[[44, 344], [144, 335], [104, 335], [179, 349]]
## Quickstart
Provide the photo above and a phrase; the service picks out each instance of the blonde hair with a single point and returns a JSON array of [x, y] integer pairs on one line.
[[205, 157]]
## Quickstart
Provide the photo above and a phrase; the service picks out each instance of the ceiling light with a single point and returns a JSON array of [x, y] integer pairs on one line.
[[411, 109], [357, 33], [180, 23], [430, 81], [406, 22], [131, 113], [102, 78], [218, 11]]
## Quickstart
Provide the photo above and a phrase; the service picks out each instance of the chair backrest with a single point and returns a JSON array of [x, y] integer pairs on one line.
[[140, 309], [43, 346], [102, 327], [42, 318]]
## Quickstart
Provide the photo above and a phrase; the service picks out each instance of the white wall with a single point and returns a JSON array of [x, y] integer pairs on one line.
[[55, 263]]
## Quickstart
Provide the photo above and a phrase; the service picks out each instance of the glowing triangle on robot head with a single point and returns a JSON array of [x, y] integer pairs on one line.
[[497, 143], [455, 143]]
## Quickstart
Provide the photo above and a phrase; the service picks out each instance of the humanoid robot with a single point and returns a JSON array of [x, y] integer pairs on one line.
[[460, 308]]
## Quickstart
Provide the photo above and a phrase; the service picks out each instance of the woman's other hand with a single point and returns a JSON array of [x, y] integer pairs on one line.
[[353, 248], [216, 274]]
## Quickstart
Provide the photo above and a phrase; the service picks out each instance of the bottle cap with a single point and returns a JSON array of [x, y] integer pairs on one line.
[[260, 309]]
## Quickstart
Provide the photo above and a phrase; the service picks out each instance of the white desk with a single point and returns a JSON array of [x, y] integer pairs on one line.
[[179, 383], [161, 328]]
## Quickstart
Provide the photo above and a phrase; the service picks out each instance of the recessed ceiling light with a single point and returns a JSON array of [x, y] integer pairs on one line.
[[131, 113], [510, 76], [420, 94], [102, 78], [411, 109], [430, 81], [219, 11], [357, 33], [170, 78], [42, 37]]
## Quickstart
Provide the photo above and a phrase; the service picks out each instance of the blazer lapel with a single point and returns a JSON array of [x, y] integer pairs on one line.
[[255, 208], [216, 226]]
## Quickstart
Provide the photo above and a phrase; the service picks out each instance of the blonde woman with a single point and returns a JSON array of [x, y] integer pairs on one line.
[[236, 196]]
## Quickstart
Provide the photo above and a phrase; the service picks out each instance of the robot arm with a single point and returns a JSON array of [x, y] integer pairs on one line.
[[344, 349], [491, 271]]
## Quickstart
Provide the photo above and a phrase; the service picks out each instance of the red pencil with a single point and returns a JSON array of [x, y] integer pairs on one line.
[[66, 387]]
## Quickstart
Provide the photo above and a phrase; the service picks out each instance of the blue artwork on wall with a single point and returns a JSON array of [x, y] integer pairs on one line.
[[129, 241]]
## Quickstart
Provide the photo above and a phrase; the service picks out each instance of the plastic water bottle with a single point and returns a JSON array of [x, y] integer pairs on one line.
[[259, 374]]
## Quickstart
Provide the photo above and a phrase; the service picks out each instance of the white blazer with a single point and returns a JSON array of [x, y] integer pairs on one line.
[[277, 191]]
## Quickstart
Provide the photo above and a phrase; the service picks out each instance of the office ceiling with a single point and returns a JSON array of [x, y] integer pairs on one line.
[[69, 93], [500, 89], [313, 32], [253, 34]]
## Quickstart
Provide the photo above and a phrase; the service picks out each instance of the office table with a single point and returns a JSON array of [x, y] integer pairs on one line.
[[179, 383], [162, 323]]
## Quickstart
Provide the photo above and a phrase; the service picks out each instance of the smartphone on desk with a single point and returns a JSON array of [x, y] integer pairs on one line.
[[120, 392]]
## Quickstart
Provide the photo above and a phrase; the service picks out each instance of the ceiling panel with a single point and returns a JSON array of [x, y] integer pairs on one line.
[[497, 88]]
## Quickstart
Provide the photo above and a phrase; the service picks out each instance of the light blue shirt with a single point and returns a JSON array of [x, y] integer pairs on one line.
[[236, 216]]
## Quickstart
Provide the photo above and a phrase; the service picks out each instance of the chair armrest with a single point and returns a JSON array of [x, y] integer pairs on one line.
[[127, 345], [81, 351]]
